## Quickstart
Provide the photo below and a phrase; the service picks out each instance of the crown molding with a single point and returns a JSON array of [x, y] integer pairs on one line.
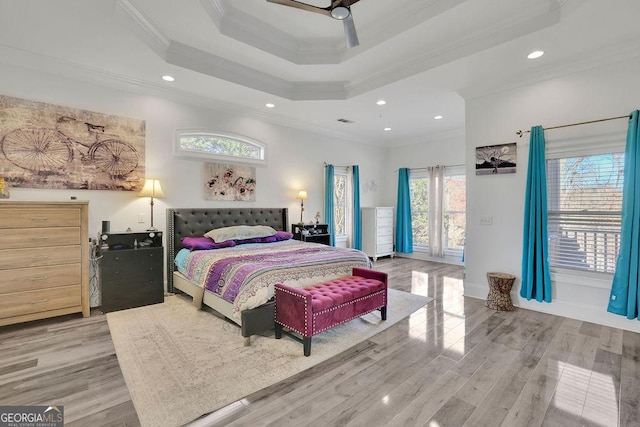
[[238, 24], [501, 32], [622, 51], [142, 26], [24, 59]]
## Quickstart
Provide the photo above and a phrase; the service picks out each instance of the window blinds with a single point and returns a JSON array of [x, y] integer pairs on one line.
[[584, 205]]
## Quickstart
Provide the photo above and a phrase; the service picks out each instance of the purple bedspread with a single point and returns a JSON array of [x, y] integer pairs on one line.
[[245, 275]]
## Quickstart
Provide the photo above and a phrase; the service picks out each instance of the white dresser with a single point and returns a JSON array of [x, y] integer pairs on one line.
[[377, 232]]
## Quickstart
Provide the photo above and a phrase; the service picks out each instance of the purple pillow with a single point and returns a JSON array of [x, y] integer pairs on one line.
[[280, 235], [205, 243], [283, 235]]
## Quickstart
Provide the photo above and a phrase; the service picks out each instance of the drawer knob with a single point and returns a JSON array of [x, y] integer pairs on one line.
[[40, 301], [38, 278], [39, 218]]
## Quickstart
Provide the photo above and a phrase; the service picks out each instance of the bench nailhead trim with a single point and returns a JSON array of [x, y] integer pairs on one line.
[[326, 310]]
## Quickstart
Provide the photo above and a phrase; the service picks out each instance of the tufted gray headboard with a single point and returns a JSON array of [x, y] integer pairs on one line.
[[197, 221]]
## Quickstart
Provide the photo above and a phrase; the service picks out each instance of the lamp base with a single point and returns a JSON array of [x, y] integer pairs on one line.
[[152, 229]]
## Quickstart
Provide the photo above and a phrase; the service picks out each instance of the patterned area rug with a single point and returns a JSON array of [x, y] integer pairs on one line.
[[180, 363]]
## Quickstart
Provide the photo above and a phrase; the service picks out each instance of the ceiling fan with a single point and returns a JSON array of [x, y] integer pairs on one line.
[[339, 9]]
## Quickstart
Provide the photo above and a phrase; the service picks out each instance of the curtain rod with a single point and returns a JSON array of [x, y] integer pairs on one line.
[[425, 168], [337, 166], [521, 132]]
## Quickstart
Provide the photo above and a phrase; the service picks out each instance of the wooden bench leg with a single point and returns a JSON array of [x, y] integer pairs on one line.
[[306, 343], [383, 312]]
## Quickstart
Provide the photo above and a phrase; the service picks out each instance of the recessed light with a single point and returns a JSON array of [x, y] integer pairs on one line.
[[535, 54], [438, 117], [168, 78], [381, 102], [269, 105], [387, 129]]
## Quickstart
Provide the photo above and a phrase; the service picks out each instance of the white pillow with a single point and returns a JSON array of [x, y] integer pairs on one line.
[[239, 232]]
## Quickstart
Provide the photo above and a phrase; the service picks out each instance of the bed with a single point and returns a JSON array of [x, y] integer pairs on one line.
[[250, 303]]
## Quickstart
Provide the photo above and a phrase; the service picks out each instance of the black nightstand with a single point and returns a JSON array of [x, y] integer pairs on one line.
[[315, 233], [131, 270]]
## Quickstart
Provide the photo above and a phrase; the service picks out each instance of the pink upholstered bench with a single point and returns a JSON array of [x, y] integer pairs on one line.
[[314, 309]]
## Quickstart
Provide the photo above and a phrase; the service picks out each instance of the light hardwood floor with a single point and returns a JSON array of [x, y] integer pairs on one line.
[[453, 363]]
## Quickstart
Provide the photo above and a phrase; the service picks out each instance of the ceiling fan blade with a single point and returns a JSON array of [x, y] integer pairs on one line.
[[350, 32], [345, 3], [303, 6]]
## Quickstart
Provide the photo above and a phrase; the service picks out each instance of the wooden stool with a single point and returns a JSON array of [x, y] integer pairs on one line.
[[500, 285]]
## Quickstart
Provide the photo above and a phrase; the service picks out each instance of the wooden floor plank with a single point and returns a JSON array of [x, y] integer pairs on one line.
[[454, 362]]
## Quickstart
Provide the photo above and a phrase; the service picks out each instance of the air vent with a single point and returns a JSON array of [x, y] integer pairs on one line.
[[345, 121]]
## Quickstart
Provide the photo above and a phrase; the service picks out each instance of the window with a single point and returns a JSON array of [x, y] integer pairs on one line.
[[341, 208], [419, 193], [220, 147], [454, 210], [584, 205]]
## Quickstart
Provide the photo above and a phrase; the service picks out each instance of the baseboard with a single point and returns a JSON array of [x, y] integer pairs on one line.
[[426, 257], [586, 313]]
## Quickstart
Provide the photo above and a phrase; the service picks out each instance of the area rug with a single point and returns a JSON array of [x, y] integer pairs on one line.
[[180, 363]]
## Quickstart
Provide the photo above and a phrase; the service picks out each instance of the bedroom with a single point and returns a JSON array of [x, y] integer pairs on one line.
[[594, 82]]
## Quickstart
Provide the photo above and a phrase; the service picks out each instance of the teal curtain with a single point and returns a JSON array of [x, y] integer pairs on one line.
[[625, 298], [357, 223], [536, 278], [404, 234], [329, 202]]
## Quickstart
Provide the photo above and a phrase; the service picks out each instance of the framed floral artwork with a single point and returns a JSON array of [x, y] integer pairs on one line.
[[229, 182]]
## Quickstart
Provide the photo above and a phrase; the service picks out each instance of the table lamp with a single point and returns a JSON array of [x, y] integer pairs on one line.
[[152, 189], [302, 195]]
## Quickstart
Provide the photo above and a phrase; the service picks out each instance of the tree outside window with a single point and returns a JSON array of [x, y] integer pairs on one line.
[[419, 193], [340, 203], [454, 212]]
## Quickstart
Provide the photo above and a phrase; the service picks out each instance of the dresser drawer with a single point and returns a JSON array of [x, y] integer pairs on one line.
[[130, 293], [39, 237], [37, 257], [140, 264], [384, 221], [384, 240], [21, 303], [384, 213], [384, 249], [27, 279], [384, 231], [30, 218]]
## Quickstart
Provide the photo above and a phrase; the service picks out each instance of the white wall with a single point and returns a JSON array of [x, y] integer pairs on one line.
[[295, 157], [608, 91]]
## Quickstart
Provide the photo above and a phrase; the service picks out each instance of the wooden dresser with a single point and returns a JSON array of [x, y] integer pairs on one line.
[[44, 260]]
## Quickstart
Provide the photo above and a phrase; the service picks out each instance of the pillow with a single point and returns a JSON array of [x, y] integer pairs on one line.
[[283, 235], [280, 235], [204, 243], [238, 232]]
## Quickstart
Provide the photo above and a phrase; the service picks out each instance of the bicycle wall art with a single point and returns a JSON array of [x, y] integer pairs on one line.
[[51, 146]]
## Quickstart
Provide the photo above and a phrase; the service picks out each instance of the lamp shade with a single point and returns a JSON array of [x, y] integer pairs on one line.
[[152, 188], [302, 195]]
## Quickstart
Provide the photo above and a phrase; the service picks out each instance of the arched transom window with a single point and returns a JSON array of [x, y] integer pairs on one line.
[[217, 146]]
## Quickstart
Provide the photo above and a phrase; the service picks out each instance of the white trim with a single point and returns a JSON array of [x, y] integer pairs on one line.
[[588, 313], [425, 256]]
